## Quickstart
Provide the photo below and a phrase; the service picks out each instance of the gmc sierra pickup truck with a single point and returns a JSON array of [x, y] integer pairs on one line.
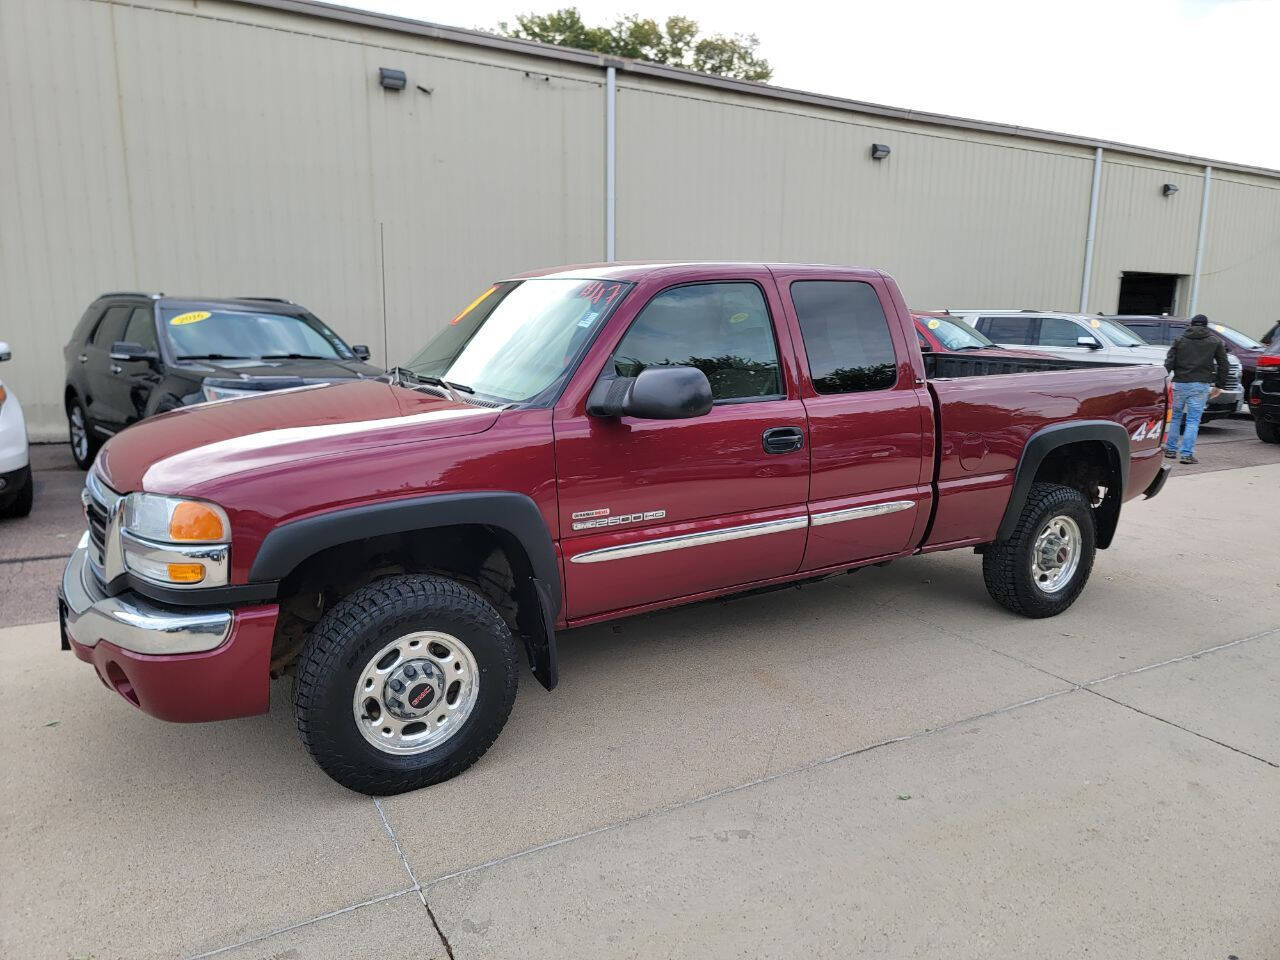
[[577, 445]]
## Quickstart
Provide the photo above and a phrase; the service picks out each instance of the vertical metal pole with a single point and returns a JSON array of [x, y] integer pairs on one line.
[[1092, 230], [610, 161], [1200, 238]]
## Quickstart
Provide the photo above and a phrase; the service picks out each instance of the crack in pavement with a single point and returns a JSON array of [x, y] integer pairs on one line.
[[386, 824]]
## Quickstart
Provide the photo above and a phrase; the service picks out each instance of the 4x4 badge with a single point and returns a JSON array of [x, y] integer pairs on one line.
[[604, 520]]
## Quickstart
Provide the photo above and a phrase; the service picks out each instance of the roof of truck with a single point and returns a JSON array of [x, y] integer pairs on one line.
[[636, 270]]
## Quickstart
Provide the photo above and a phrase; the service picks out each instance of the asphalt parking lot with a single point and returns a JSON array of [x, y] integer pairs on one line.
[[885, 765]]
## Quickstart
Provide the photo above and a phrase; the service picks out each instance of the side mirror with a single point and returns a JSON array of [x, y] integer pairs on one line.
[[659, 393], [5, 353], [360, 351], [1090, 342], [126, 350]]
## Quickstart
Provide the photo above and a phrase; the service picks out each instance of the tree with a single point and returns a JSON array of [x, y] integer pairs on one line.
[[676, 42]]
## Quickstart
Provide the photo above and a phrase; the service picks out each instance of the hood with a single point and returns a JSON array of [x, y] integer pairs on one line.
[[177, 452], [301, 370], [1141, 354]]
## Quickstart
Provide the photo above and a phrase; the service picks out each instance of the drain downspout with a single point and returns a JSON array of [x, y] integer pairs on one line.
[[610, 162], [1200, 238], [1092, 230]]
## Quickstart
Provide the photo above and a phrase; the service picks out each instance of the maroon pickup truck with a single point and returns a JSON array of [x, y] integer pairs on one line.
[[577, 445]]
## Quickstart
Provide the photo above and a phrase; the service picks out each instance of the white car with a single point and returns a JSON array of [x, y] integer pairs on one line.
[[16, 486], [1086, 337]]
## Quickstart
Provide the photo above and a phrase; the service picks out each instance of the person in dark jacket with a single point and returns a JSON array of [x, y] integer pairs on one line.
[[1198, 361]]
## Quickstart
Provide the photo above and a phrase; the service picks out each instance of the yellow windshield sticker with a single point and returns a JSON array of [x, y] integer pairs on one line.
[[195, 316], [472, 305], [1095, 324], [934, 324], [738, 318]]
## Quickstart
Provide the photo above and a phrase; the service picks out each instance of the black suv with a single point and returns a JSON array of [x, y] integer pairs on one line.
[[1264, 396], [136, 354]]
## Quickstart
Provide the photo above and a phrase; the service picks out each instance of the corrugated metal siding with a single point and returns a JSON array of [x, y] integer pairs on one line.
[[213, 147], [1139, 229], [161, 150], [1240, 277], [957, 222]]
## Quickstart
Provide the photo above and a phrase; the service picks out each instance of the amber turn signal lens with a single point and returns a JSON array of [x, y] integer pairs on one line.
[[195, 522], [186, 572]]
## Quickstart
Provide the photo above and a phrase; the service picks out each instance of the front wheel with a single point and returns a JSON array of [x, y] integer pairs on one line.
[[404, 683], [1267, 432], [1041, 569], [84, 445]]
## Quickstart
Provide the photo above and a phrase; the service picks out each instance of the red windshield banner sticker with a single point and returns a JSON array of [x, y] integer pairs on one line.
[[598, 291]]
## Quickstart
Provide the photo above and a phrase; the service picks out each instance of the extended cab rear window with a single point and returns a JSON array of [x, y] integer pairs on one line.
[[846, 336]]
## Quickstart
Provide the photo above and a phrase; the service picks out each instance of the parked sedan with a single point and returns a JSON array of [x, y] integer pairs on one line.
[[939, 333], [1165, 330], [17, 489], [134, 355]]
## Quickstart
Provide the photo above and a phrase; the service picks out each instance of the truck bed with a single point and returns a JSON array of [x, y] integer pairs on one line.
[[951, 366]]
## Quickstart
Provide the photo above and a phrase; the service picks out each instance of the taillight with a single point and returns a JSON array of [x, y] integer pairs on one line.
[[1269, 360], [1168, 411]]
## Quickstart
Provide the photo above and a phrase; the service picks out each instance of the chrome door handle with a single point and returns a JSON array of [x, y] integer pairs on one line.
[[84, 358], [116, 368]]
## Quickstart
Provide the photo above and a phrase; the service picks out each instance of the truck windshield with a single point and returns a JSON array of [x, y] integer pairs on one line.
[[956, 334], [520, 338], [1118, 334], [1238, 338], [211, 333]]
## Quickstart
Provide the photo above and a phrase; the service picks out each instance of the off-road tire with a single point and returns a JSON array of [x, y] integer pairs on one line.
[[19, 504], [1267, 432], [352, 632], [93, 443], [1006, 565]]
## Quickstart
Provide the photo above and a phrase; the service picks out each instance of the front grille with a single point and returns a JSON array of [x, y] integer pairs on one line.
[[1233, 377], [96, 513]]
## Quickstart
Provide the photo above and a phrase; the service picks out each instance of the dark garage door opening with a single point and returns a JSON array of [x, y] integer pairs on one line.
[[1150, 293]]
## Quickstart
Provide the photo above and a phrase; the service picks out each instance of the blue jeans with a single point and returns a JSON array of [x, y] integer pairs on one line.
[[1192, 398]]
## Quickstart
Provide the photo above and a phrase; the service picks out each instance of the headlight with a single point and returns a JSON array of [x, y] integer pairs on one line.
[[174, 520], [172, 541], [226, 393]]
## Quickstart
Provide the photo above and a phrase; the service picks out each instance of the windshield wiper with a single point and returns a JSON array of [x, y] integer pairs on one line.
[[295, 356], [399, 375], [972, 346], [211, 356]]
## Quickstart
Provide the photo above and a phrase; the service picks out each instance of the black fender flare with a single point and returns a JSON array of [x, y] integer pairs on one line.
[[1114, 438], [512, 515]]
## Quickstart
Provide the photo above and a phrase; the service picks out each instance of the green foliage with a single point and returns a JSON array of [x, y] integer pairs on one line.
[[675, 42]]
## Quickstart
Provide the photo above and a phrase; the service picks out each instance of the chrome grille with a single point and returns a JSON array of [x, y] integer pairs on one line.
[[99, 503], [1233, 376]]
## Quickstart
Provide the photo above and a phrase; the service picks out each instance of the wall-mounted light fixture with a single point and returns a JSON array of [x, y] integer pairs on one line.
[[391, 79], [879, 151], [1169, 189]]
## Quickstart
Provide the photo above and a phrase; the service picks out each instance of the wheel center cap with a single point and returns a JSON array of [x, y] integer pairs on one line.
[[413, 688]]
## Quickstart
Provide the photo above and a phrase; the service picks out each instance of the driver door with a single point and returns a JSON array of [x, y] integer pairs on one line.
[[653, 511]]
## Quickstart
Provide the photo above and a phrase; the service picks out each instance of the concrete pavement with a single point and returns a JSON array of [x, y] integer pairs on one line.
[[885, 764]]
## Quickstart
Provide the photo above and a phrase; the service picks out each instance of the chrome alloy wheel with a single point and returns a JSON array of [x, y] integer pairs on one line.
[[1056, 554], [416, 692], [79, 433]]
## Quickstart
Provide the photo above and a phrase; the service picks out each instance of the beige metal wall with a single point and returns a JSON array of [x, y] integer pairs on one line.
[[205, 146], [182, 149]]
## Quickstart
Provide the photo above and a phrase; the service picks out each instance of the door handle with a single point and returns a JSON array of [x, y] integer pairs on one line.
[[783, 439], [116, 368], [84, 358]]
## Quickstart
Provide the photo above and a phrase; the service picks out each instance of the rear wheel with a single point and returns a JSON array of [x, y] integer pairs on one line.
[[1267, 432], [1041, 569], [404, 683], [84, 445]]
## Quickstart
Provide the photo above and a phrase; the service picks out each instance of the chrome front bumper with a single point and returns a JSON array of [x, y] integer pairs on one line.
[[130, 621]]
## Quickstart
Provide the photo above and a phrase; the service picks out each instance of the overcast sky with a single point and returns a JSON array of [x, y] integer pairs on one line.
[[1192, 76]]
